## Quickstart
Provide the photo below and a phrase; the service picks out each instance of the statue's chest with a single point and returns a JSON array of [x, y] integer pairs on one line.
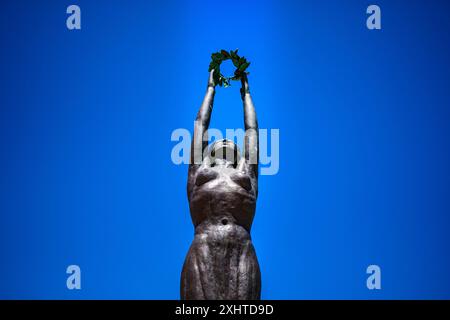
[[223, 179]]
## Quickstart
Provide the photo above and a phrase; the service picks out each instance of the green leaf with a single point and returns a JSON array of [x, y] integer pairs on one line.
[[225, 53], [244, 66], [216, 76], [217, 57], [213, 65]]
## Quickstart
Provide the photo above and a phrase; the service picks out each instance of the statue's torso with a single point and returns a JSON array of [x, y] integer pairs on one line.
[[221, 262], [222, 196]]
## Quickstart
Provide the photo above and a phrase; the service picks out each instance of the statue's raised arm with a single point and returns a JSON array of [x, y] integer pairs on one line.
[[251, 144], [200, 139]]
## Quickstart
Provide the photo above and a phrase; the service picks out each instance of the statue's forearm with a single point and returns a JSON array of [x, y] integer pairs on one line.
[[251, 130], [204, 113], [199, 141], [250, 120]]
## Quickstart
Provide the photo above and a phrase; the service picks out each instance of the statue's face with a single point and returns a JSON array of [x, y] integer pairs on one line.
[[224, 153]]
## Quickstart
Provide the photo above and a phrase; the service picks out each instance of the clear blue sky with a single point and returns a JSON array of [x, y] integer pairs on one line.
[[86, 119]]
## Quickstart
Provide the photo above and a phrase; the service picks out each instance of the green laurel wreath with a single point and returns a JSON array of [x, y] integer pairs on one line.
[[240, 63]]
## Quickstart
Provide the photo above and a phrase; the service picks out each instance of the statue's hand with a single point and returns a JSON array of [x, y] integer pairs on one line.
[[211, 82], [245, 87]]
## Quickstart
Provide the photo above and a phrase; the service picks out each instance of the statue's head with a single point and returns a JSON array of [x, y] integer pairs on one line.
[[225, 153]]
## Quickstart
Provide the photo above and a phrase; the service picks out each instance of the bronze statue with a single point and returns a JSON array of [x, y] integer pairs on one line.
[[222, 189]]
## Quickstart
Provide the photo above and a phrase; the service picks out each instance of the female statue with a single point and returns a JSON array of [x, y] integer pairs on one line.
[[222, 189]]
